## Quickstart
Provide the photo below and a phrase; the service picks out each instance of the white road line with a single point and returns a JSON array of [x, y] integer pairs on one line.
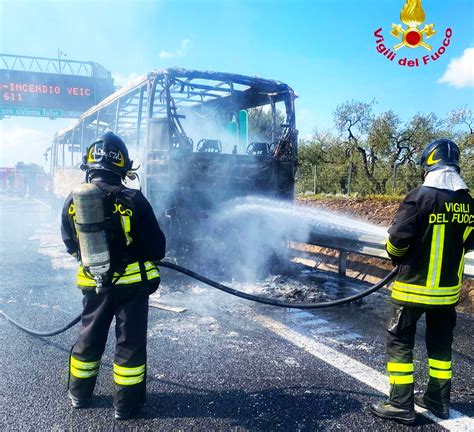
[[301, 314], [313, 322], [42, 203], [355, 369]]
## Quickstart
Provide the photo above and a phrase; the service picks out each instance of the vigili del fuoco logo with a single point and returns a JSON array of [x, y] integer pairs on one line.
[[412, 35]]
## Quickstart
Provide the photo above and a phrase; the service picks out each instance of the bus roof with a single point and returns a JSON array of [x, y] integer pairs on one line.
[[186, 77]]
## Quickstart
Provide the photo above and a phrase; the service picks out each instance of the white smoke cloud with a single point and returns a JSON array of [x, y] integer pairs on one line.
[[121, 80], [180, 52], [21, 144], [460, 72]]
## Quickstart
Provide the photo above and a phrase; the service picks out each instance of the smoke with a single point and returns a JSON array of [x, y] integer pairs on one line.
[[189, 193], [212, 125], [182, 51], [214, 220], [22, 144], [247, 238]]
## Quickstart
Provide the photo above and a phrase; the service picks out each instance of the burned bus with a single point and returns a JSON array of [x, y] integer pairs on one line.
[[194, 135]]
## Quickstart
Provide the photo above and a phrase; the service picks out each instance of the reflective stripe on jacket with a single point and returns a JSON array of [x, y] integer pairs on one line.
[[132, 275]]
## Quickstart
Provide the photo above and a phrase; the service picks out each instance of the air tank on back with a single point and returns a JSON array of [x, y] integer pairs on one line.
[[90, 218]]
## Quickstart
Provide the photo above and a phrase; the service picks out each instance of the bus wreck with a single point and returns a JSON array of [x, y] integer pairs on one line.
[[193, 134]]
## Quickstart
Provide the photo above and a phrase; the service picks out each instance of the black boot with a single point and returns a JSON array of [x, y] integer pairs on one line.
[[125, 414], [439, 411], [388, 411], [77, 402]]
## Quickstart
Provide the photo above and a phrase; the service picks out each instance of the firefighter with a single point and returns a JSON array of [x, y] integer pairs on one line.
[[135, 243], [431, 232]]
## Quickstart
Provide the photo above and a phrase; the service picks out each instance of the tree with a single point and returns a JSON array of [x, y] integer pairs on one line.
[[379, 150], [261, 124], [461, 121], [383, 144], [321, 156]]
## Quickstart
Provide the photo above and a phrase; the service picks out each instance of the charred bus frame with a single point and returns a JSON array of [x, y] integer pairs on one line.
[[165, 117]]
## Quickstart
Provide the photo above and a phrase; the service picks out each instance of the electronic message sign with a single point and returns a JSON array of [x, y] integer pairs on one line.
[[43, 94]]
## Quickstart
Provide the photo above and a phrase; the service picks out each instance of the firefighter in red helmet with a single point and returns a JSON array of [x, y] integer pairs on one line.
[[135, 242], [431, 232]]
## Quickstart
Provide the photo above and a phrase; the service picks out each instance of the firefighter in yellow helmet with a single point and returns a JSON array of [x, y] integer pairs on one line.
[[431, 232], [135, 242]]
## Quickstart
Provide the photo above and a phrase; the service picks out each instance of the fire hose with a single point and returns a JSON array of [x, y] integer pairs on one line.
[[228, 290]]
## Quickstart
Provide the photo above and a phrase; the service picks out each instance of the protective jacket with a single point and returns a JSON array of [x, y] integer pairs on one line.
[[432, 231], [135, 238]]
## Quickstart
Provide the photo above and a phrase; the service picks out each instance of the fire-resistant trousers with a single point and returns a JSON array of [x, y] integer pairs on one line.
[[130, 308], [440, 323]]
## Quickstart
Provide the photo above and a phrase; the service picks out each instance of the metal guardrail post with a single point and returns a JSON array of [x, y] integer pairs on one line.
[[342, 263]]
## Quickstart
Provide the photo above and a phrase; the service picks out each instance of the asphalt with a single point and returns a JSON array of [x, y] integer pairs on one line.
[[212, 367]]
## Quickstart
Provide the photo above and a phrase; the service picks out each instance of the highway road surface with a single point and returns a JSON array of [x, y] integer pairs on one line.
[[223, 364]]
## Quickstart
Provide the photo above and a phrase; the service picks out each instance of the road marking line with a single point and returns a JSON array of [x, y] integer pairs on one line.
[[312, 322], [355, 369], [42, 203], [300, 314]]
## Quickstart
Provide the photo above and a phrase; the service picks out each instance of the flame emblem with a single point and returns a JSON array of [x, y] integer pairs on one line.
[[412, 15]]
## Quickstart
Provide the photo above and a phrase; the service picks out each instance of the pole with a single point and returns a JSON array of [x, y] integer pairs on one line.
[[314, 179], [349, 179], [394, 176]]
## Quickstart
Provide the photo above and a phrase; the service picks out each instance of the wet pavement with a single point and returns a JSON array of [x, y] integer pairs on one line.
[[223, 364]]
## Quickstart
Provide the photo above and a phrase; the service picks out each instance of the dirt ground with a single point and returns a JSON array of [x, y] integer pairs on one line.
[[380, 211]]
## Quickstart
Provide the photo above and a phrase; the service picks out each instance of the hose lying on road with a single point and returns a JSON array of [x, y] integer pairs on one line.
[[279, 303], [228, 290], [42, 334]]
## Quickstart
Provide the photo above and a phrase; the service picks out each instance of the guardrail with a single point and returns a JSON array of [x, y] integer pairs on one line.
[[368, 246]]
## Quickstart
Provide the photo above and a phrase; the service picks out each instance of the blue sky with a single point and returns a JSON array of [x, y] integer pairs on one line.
[[324, 49]]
